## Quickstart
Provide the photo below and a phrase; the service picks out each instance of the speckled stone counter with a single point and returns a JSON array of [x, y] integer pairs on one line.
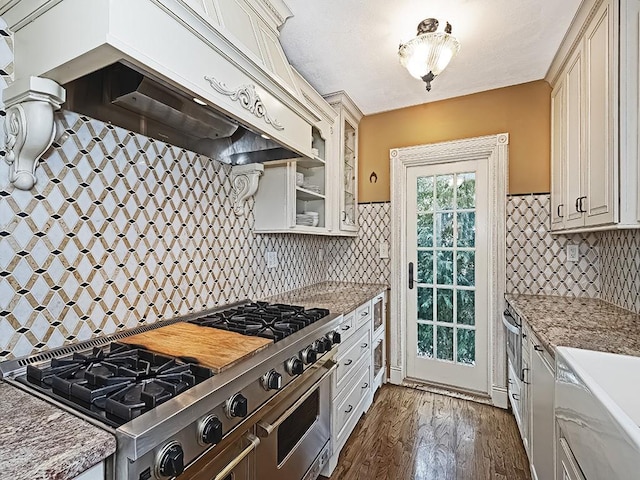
[[585, 323], [40, 441], [338, 297]]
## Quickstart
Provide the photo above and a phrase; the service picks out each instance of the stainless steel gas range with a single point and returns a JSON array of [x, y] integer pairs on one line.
[[268, 416]]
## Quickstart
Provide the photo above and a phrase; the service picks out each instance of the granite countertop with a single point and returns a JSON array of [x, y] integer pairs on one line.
[[337, 297], [586, 323], [40, 441]]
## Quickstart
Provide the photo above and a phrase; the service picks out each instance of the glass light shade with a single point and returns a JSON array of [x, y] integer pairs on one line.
[[428, 52]]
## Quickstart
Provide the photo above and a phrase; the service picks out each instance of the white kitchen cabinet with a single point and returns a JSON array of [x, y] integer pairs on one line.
[[94, 473], [542, 431], [361, 369], [594, 116], [567, 466], [346, 144]]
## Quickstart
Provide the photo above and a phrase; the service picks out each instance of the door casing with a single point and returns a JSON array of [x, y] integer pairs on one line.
[[493, 148]]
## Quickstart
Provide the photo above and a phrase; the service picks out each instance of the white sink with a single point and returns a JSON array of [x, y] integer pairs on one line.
[[597, 406]]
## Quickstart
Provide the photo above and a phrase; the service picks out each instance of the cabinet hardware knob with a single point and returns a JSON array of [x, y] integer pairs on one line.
[[582, 209], [560, 205], [364, 345], [578, 205]]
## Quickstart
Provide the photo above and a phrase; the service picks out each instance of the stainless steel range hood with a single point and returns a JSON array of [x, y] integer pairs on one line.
[[125, 97]]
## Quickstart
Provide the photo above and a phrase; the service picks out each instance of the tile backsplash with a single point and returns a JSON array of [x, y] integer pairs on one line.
[[121, 230], [620, 271], [537, 260]]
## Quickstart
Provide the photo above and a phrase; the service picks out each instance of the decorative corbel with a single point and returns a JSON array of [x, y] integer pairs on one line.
[[244, 179], [29, 126]]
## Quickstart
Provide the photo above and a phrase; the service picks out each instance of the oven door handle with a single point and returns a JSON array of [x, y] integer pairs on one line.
[[267, 429], [512, 327], [254, 442]]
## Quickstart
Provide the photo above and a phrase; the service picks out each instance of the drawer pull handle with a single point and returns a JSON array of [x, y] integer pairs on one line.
[[537, 348], [366, 385], [364, 314], [346, 327], [364, 345], [348, 362], [515, 396], [349, 409]]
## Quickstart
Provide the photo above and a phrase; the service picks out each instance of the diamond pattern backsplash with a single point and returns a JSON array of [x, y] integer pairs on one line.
[[358, 259], [537, 261], [122, 230], [620, 272]]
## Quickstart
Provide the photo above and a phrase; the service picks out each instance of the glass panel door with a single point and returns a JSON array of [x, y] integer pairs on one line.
[[349, 175], [446, 323]]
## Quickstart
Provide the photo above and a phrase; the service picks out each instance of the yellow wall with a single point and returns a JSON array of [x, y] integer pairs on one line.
[[523, 111]]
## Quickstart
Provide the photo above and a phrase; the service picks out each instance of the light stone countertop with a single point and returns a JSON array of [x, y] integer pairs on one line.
[[40, 441], [337, 297], [586, 323]]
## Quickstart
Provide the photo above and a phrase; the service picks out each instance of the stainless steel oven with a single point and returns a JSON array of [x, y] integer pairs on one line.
[[296, 433]]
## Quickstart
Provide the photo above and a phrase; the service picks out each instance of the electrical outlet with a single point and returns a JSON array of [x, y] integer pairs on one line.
[[573, 253], [384, 249], [272, 259]]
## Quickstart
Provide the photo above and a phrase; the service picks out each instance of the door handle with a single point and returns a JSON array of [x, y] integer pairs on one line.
[[559, 207], [411, 281], [582, 210]]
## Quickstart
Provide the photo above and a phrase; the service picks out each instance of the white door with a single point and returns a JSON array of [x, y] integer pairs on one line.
[[446, 249]]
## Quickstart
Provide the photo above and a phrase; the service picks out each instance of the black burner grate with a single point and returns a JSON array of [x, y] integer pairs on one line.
[[273, 321]]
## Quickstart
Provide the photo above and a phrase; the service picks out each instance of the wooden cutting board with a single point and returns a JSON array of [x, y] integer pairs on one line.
[[211, 347]]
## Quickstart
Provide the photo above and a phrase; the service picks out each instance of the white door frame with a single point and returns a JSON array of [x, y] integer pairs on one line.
[[493, 148]]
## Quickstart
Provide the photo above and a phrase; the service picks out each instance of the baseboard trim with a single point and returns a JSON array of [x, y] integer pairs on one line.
[[396, 375], [500, 397]]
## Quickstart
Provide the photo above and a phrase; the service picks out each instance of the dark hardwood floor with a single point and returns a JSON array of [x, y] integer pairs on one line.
[[412, 434]]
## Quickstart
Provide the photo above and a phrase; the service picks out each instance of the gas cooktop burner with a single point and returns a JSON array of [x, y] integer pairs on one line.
[[115, 383], [273, 321]]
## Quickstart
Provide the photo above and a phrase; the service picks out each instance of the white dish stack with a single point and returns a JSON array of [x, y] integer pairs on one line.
[[308, 219]]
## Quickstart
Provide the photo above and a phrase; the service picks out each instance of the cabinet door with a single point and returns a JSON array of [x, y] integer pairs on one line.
[[348, 213], [568, 468], [542, 416], [600, 163], [558, 156], [574, 141], [525, 400]]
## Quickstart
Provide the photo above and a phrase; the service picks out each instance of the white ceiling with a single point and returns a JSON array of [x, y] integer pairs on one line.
[[352, 45]]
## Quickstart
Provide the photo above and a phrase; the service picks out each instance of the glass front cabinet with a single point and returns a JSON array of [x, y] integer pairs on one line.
[[346, 135]]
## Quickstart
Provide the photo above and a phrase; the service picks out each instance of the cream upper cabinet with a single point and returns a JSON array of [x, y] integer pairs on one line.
[[346, 142], [594, 109]]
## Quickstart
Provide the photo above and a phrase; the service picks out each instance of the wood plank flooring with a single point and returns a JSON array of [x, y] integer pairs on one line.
[[412, 434]]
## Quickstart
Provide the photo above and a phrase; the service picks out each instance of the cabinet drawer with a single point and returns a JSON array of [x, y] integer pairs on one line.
[[350, 358], [526, 338], [351, 405], [347, 326], [363, 313]]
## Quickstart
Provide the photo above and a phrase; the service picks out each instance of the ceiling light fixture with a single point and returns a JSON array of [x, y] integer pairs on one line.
[[429, 53]]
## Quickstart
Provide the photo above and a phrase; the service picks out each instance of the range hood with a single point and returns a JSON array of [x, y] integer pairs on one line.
[[120, 95]]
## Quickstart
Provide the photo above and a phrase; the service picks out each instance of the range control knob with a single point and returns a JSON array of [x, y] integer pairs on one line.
[[320, 346], [271, 380], [327, 343], [237, 406], [309, 355], [170, 462], [210, 430], [294, 366], [334, 337]]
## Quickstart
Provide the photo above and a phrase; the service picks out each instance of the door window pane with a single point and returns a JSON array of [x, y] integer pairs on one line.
[[466, 229], [444, 229], [425, 230], [425, 303], [466, 307], [425, 194], [425, 266], [445, 267], [466, 346], [425, 340], [444, 306], [445, 343], [444, 192], [466, 191], [466, 268]]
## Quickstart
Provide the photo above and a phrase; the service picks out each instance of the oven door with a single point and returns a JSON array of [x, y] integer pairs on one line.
[[297, 431], [236, 462]]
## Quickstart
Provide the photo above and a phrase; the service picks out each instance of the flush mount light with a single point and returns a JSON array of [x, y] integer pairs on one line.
[[429, 53]]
